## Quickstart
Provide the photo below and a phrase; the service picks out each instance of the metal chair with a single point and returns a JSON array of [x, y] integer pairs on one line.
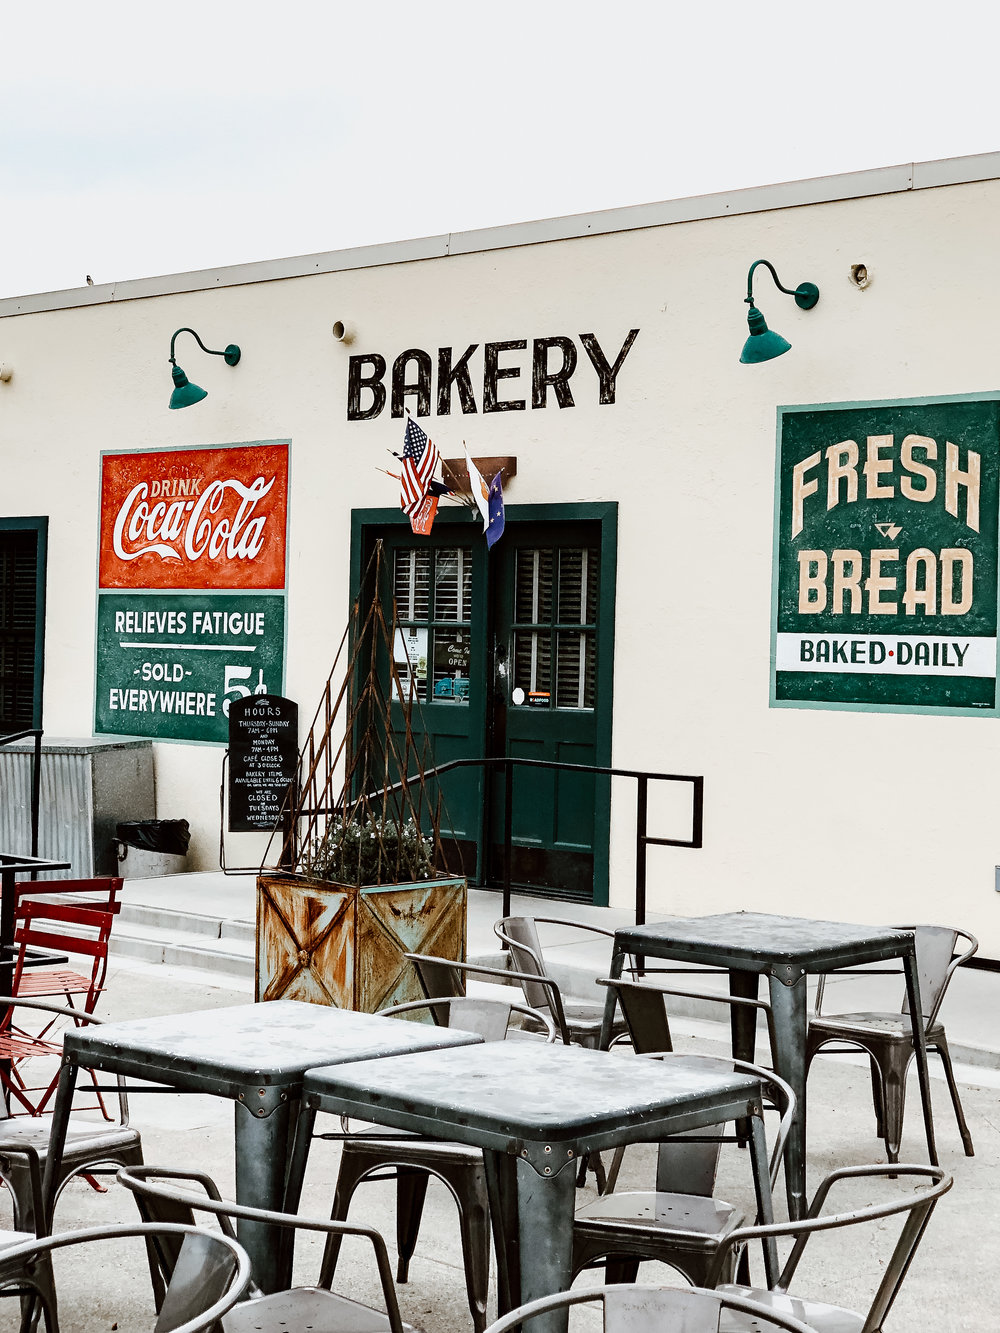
[[680, 1223], [641, 1308], [91, 1148], [915, 1207], [210, 1274], [643, 1006], [295, 1310], [448, 977], [888, 1038], [34, 901], [578, 1021], [46, 925], [411, 1159]]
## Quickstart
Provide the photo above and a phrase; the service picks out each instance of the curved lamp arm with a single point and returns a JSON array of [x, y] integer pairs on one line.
[[231, 353], [806, 293]]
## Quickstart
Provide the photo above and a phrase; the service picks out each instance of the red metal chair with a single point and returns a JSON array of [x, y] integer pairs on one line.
[[65, 929], [37, 980]]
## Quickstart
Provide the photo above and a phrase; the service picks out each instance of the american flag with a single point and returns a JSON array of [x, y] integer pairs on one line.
[[420, 458]]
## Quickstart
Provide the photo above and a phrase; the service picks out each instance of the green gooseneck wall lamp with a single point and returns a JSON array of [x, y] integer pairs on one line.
[[185, 393], [763, 344]]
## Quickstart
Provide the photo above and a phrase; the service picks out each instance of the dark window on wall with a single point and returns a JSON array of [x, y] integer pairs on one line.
[[22, 582]]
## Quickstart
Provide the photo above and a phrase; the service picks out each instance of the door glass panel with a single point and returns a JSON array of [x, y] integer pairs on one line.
[[435, 633], [577, 586], [575, 657], [453, 583], [532, 665], [533, 594], [412, 584], [556, 618]]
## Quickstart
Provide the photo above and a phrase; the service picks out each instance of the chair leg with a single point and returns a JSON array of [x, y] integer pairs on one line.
[[941, 1046], [894, 1094], [878, 1098], [350, 1175], [621, 1268], [411, 1189], [614, 1169]]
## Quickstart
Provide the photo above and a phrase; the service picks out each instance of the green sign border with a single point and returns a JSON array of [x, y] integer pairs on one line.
[[107, 672], [920, 400]]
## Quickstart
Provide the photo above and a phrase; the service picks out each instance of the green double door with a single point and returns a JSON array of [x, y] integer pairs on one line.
[[509, 654]]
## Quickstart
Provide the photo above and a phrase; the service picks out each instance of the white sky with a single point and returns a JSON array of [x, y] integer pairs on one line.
[[139, 139]]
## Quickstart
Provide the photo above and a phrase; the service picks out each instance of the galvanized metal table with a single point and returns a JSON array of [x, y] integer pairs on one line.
[[535, 1110], [255, 1054], [785, 949]]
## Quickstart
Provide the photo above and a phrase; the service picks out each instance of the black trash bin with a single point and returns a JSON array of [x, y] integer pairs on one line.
[[148, 848]]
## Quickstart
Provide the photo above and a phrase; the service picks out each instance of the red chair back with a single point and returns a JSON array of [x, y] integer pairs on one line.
[[47, 925], [102, 892]]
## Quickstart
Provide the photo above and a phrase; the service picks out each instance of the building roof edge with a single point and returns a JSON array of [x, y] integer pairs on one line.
[[757, 199]]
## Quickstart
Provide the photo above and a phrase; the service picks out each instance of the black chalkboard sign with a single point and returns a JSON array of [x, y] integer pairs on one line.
[[263, 755]]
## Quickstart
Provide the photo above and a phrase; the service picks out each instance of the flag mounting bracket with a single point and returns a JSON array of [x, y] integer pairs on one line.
[[456, 474]]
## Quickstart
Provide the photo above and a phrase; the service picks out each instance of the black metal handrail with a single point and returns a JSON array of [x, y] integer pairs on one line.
[[36, 777], [643, 839]]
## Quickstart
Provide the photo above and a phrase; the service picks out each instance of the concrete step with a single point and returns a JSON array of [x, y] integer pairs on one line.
[[184, 939], [185, 922]]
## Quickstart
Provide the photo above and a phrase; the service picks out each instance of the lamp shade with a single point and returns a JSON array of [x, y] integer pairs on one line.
[[763, 344], [185, 393]]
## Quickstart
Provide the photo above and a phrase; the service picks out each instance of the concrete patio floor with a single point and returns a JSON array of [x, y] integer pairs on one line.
[[952, 1285]]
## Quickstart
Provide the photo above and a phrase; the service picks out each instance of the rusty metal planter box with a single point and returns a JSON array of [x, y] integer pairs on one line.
[[336, 944]]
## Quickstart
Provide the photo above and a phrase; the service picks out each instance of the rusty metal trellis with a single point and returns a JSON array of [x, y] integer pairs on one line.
[[355, 770]]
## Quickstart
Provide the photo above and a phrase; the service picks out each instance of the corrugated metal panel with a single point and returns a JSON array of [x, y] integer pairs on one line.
[[86, 788], [65, 810]]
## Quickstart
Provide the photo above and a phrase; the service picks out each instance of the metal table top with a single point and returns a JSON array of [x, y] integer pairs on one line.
[[271, 1044], [757, 941], [521, 1097]]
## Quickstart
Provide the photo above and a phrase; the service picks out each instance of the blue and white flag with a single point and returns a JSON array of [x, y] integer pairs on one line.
[[494, 528]]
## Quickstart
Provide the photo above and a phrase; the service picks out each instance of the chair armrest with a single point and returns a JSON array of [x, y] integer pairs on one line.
[[575, 925], [813, 1222], [223, 1208]]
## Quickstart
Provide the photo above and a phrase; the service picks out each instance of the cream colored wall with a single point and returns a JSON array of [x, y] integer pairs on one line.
[[859, 816]]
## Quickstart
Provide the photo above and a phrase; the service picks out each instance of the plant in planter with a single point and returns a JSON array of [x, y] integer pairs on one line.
[[370, 851], [361, 878]]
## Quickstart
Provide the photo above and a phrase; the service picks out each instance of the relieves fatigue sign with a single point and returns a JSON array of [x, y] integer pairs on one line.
[[191, 589], [886, 556]]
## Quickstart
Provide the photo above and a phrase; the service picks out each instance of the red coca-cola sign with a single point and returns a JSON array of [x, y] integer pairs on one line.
[[195, 518]]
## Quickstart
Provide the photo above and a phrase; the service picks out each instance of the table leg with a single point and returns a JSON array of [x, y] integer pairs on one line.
[[57, 1139], [920, 1050], [788, 1010], [742, 1017], [298, 1158], [610, 1001], [545, 1207], [262, 1146]]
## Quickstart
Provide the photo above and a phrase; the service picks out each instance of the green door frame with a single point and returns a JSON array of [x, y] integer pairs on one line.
[[40, 526], [603, 513]]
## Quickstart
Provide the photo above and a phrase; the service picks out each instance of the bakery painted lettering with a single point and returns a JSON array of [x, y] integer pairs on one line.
[[510, 376]]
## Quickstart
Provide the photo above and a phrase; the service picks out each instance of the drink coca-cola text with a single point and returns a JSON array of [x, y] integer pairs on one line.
[[189, 528]]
